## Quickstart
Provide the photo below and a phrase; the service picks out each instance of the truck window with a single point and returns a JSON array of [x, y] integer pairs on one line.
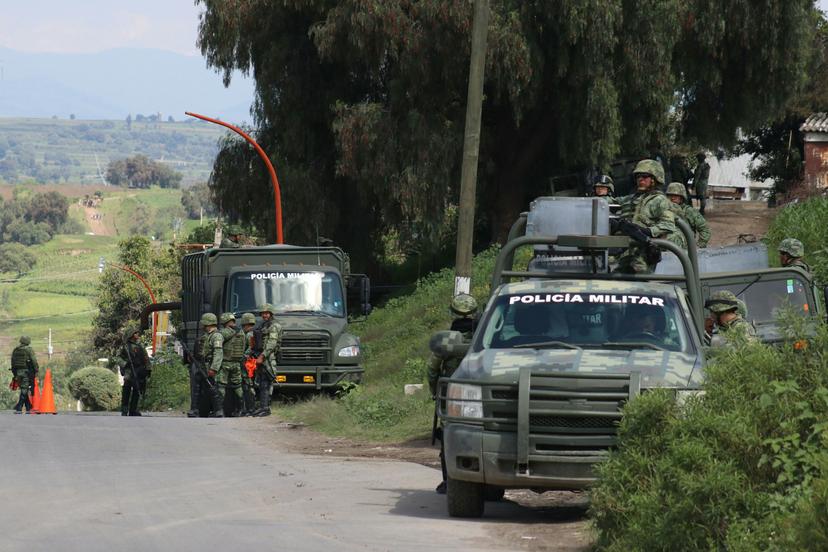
[[288, 292], [766, 298], [586, 320]]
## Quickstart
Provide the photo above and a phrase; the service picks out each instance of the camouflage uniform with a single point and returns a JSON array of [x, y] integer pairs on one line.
[[722, 302], [24, 368], [271, 336], [213, 354], [687, 212], [250, 352], [233, 354], [607, 182], [133, 362], [463, 307], [226, 242], [795, 251], [700, 177], [650, 210]]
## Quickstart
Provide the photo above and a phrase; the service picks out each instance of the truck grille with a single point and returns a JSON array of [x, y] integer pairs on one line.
[[303, 357], [305, 341], [301, 348], [572, 422]]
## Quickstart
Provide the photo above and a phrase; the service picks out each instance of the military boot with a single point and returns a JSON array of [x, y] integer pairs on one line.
[[217, 400]]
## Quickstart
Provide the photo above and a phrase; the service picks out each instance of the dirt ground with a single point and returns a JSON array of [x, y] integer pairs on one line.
[[730, 219], [551, 522], [96, 223]]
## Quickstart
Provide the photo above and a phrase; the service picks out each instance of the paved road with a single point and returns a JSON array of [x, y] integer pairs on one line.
[[89, 483]]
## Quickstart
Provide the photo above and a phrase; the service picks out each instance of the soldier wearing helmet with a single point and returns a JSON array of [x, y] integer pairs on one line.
[[231, 240], [270, 332], [648, 209], [677, 194], [134, 365], [229, 377], [604, 187], [248, 369], [791, 252], [24, 368], [464, 309], [724, 307], [700, 177], [212, 353]]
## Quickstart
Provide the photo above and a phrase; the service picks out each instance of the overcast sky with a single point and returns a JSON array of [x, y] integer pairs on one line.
[[85, 26]]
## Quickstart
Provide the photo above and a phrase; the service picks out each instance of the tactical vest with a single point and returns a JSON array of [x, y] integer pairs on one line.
[[20, 359], [233, 345]]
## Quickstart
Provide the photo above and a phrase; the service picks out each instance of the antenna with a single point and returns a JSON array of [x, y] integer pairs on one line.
[[100, 174]]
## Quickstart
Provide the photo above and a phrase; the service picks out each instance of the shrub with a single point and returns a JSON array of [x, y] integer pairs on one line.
[[97, 388], [169, 386], [805, 222], [722, 470]]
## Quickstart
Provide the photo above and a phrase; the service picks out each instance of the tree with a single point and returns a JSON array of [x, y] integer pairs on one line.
[[196, 201], [51, 208], [139, 171], [361, 102], [16, 258], [129, 121]]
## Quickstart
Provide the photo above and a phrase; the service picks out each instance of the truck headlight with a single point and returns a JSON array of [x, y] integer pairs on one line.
[[349, 351], [464, 400]]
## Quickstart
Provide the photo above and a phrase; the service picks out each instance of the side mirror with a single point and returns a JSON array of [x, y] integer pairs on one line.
[[358, 288], [365, 295], [448, 344]]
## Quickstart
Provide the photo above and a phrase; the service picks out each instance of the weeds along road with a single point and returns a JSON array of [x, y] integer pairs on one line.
[[89, 483]]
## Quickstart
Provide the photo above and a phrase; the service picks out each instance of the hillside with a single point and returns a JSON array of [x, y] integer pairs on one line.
[[59, 150]]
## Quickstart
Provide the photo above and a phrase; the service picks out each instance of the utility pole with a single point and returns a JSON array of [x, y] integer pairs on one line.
[[49, 349], [471, 149]]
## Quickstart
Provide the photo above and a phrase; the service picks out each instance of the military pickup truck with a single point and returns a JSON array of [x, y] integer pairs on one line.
[[536, 400]]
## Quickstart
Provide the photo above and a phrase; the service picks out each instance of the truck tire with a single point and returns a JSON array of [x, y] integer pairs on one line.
[[494, 494], [465, 499]]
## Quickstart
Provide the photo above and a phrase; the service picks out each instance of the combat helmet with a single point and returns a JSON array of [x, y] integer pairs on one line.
[[722, 301], [208, 319], [792, 247], [606, 181], [226, 317], [651, 167], [25, 340], [677, 188], [130, 330], [266, 307], [248, 318], [463, 305], [233, 230]]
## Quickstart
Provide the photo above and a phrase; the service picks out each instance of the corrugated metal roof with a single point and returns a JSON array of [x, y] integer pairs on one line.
[[818, 122]]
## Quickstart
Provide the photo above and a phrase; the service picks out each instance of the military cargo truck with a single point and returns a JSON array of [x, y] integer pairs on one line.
[[537, 397], [312, 291]]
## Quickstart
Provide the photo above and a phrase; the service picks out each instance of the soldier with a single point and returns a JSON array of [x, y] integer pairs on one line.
[[248, 322], [24, 368], [231, 240], [464, 309], [271, 337], [604, 187], [791, 252], [134, 364], [233, 354], [724, 307], [678, 196], [649, 210], [700, 178], [213, 354]]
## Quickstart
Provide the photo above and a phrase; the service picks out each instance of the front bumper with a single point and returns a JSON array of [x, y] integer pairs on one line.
[[316, 377]]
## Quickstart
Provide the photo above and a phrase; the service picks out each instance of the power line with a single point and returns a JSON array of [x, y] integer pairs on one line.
[[52, 277], [4, 320]]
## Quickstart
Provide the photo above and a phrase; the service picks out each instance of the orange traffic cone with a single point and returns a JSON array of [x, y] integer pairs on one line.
[[35, 399], [47, 401]]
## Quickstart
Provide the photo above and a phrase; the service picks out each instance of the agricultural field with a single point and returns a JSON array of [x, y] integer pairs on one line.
[[63, 151]]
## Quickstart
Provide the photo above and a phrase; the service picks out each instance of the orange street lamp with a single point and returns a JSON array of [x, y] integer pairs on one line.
[[102, 263], [277, 194]]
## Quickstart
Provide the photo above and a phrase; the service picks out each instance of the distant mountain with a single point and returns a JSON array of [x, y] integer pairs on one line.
[[115, 83]]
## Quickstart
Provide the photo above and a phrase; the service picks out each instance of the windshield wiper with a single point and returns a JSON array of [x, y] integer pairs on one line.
[[308, 311], [547, 345], [632, 345]]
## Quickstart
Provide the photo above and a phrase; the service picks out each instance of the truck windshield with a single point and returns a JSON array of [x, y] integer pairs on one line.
[[765, 299], [288, 292], [585, 320]]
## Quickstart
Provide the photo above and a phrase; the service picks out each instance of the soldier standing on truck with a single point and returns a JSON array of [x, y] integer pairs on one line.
[[233, 354], [700, 178], [649, 214], [248, 371], [604, 187], [791, 252], [724, 306], [678, 196], [213, 353], [134, 365], [464, 309], [271, 337], [24, 368], [232, 239]]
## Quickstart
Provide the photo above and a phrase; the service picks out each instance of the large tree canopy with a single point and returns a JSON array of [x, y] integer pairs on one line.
[[362, 102]]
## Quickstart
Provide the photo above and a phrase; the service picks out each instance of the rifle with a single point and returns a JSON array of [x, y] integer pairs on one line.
[[135, 385], [434, 429], [197, 363]]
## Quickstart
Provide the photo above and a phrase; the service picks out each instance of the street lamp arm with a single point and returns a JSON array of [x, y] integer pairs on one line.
[[146, 285], [277, 193]]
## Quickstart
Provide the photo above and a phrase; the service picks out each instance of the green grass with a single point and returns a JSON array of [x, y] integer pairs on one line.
[[395, 343], [807, 222], [74, 150]]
